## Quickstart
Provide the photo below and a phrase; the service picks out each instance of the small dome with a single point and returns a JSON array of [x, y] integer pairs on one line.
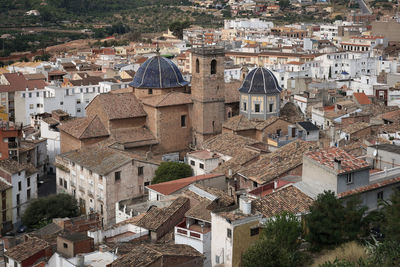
[[158, 72], [260, 81]]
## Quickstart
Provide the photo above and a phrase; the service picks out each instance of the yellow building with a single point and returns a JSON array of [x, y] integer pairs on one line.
[[237, 231], [3, 114], [6, 207]]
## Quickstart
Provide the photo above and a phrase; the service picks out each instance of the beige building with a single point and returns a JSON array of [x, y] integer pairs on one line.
[[98, 177]]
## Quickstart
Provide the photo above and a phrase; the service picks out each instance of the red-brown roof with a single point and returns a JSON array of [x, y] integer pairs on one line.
[[170, 187], [369, 187], [362, 98], [17, 82], [327, 158]]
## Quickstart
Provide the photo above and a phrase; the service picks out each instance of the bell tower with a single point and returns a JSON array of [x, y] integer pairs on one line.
[[208, 92]]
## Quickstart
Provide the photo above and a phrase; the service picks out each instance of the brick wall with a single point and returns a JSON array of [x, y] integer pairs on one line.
[[174, 137]]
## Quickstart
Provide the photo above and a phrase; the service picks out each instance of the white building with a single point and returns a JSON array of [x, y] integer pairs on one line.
[[203, 161], [72, 100], [23, 178], [248, 24], [94, 259], [100, 177]]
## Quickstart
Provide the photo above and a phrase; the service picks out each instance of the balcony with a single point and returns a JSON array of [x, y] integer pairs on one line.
[[100, 198], [90, 192], [81, 189], [73, 184], [194, 231]]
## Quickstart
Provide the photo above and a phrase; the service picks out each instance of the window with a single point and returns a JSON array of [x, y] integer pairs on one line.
[[65, 184], [213, 66], [28, 194], [117, 176], [197, 66], [78, 101], [18, 199], [146, 183], [254, 231], [217, 259], [61, 103], [271, 107], [140, 170], [78, 110], [38, 105], [18, 214], [150, 91], [349, 178], [380, 195], [65, 245], [30, 95], [31, 106], [28, 182], [257, 107], [37, 94], [229, 233], [201, 166], [61, 182], [19, 186], [254, 184], [192, 163], [183, 121], [244, 106], [23, 95]]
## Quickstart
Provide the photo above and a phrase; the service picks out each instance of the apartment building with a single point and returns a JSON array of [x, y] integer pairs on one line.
[[99, 177]]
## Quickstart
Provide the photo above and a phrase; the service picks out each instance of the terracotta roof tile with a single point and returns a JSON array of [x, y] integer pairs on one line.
[[369, 187], [288, 199], [272, 165], [12, 166], [26, 249], [17, 82], [147, 254], [100, 160], [156, 217], [228, 144], [362, 98], [169, 99], [170, 187], [355, 127], [327, 158], [239, 123], [119, 106], [87, 127]]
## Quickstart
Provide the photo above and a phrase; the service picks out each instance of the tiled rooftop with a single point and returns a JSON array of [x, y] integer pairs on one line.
[[26, 249], [146, 254], [156, 217], [100, 160], [369, 187], [119, 106], [170, 187], [272, 165], [355, 127], [288, 199], [87, 127], [239, 123], [169, 99], [348, 163]]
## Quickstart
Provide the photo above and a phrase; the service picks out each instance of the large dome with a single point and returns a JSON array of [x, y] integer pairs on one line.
[[260, 81], [158, 72]]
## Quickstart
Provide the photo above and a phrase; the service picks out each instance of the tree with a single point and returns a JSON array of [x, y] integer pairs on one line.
[[331, 223], [177, 28], [391, 213], [278, 245], [338, 17], [283, 4], [41, 211], [168, 171]]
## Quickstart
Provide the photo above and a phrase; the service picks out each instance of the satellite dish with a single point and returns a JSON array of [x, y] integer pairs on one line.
[[375, 153]]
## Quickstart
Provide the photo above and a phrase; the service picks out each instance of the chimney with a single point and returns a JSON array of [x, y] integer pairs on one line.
[[245, 205], [103, 248], [275, 184], [230, 172], [337, 164], [80, 260]]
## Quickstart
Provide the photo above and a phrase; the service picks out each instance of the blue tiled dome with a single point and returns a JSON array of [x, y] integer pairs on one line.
[[158, 72], [260, 81]]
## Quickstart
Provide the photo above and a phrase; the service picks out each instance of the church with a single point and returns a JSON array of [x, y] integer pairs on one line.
[[162, 114]]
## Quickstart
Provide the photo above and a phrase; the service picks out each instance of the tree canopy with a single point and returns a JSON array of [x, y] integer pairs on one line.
[[278, 244], [168, 171], [331, 223], [177, 28], [41, 211]]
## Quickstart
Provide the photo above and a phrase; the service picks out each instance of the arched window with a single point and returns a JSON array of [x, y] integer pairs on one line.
[[197, 66], [213, 66]]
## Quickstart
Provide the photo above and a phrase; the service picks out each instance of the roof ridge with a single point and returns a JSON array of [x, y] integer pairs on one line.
[[89, 124]]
